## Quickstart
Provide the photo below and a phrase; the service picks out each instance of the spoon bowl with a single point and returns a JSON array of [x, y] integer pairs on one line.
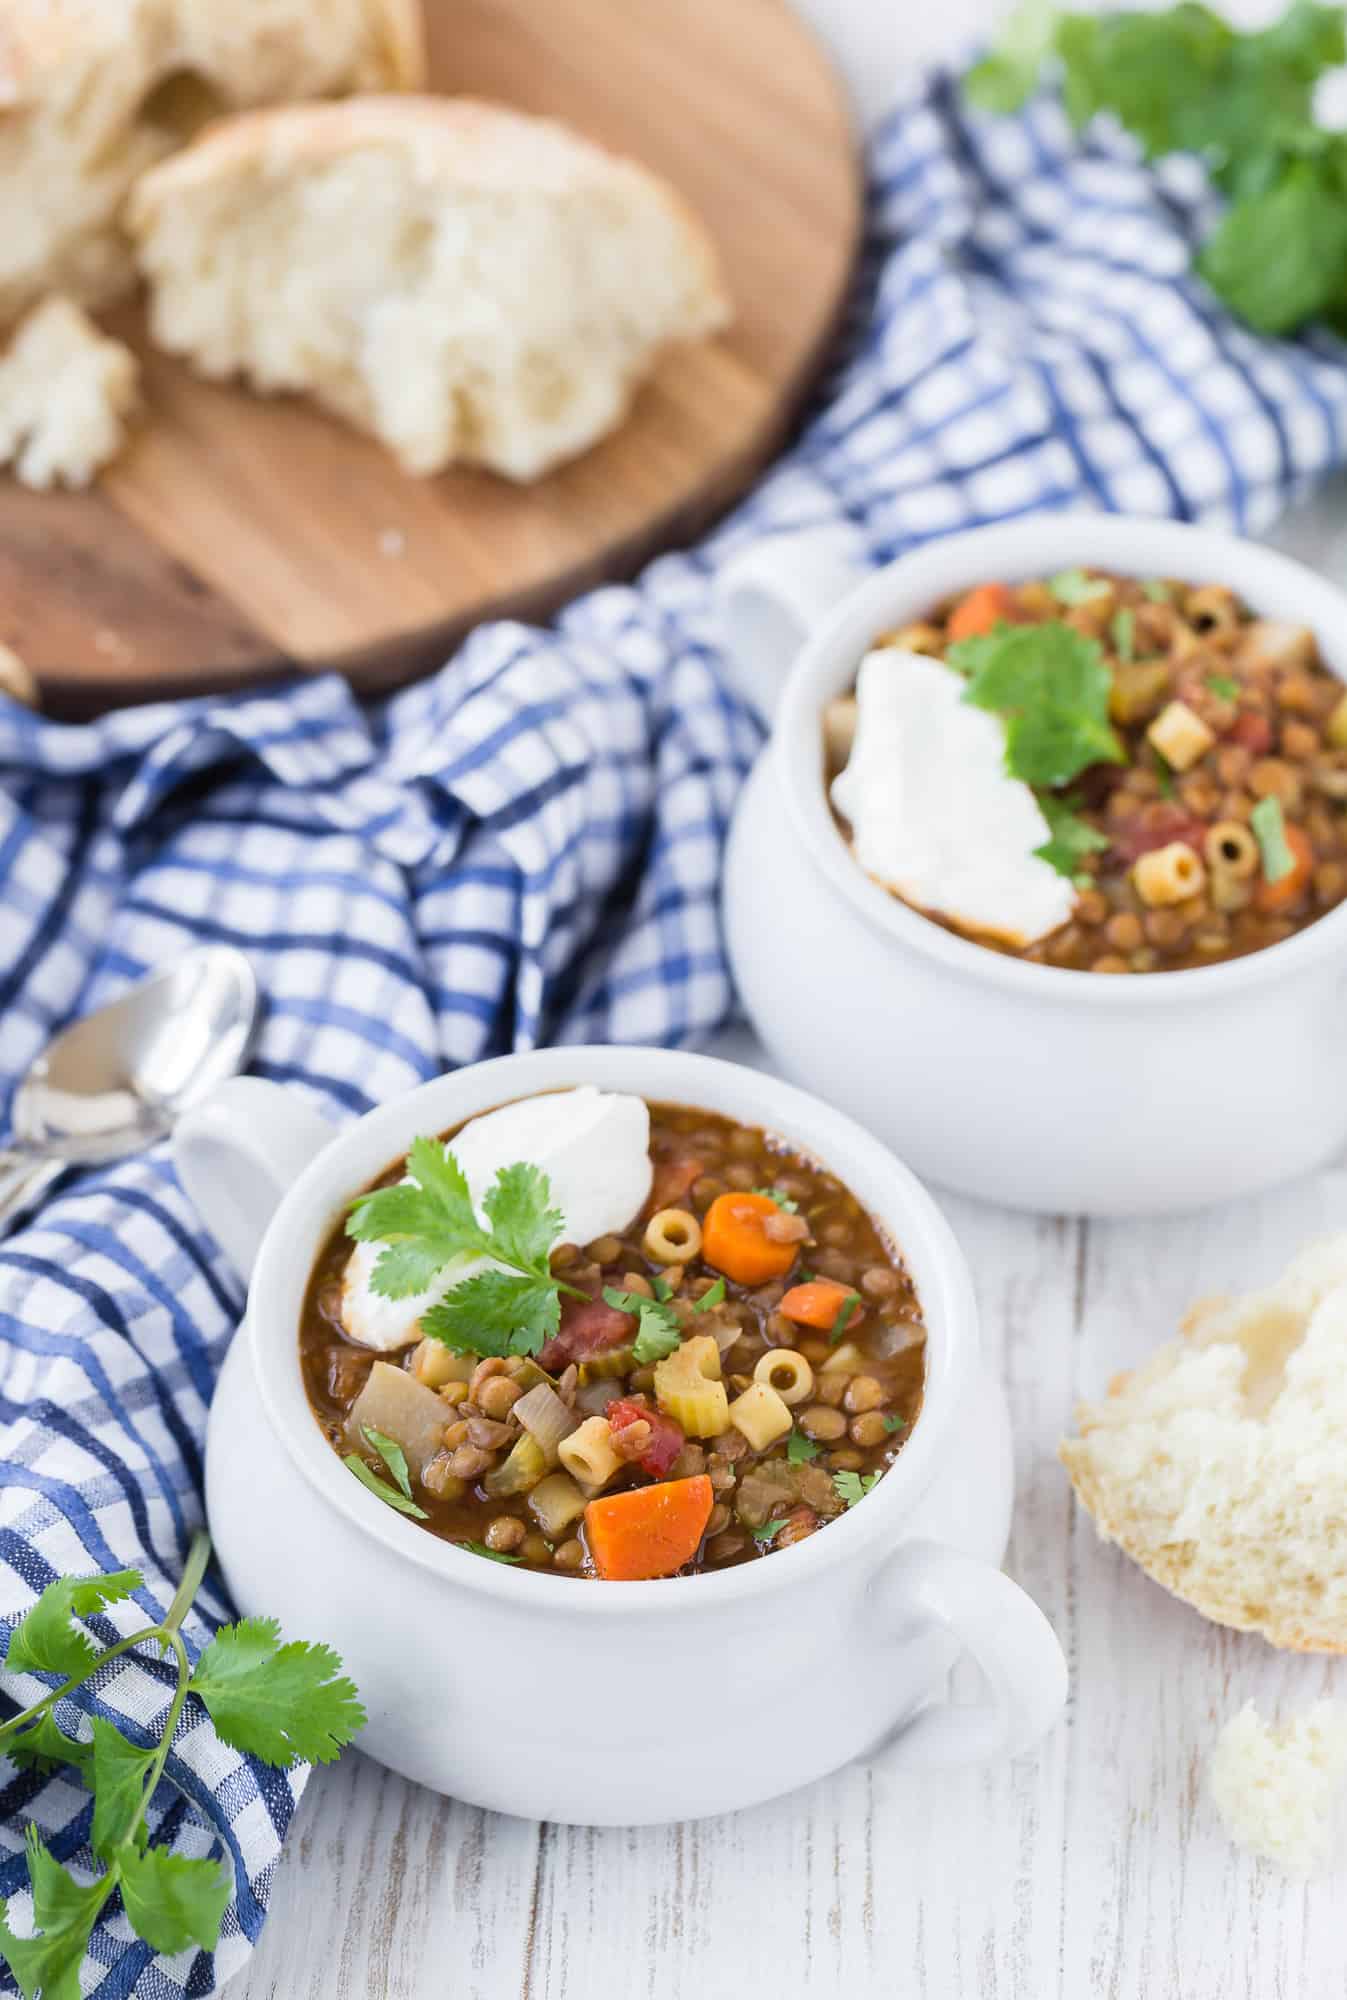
[[116, 1081]]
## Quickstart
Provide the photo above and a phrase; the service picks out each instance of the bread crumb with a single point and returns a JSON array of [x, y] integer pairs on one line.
[[112, 643], [1275, 1784], [66, 392], [392, 542]]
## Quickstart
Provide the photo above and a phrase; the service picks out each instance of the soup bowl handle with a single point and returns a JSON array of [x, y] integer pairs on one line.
[[238, 1153], [927, 1586], [771, 595]]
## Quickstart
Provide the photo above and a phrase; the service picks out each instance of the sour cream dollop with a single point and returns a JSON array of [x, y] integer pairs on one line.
[[934, 815], [594, 1147]]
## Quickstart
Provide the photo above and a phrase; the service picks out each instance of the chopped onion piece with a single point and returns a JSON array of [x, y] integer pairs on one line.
[[545, 1417]]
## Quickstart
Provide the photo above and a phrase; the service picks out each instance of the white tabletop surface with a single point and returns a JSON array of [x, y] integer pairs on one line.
[[1094, 1868]]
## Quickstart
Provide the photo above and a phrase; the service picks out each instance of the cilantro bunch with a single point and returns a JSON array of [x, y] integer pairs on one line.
[[1185, 81], [279, 1703]]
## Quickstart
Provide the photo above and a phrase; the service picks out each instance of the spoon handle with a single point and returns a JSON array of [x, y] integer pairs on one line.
[[22, 1180]]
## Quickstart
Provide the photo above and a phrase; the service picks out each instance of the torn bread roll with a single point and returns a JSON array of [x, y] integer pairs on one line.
[[1220, 1465]]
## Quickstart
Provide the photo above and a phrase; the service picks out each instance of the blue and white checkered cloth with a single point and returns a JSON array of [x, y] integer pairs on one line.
[[526, 848]]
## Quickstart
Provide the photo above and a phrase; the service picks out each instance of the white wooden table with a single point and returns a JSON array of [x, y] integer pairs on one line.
[[1095, 1868]]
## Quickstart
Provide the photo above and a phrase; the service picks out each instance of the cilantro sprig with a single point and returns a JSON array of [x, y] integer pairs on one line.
[[852, 1487], [1070, 838], [800, 1449], [1184, 81], [1050, 685], [399, 1496], [658, 1333], [428, 1225], [272, 1701]]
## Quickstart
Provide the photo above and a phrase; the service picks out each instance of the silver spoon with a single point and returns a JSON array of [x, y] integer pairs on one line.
[[117, 1080]]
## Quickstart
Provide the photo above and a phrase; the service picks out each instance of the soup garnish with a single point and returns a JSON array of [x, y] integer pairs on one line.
[[725, 1366], [1098, 772]]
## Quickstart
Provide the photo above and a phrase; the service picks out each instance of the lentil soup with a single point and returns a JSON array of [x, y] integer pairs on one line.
[[1204, 811], [770, 1377]]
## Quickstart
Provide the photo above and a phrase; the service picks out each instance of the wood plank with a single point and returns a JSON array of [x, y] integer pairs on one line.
[[305, 543]]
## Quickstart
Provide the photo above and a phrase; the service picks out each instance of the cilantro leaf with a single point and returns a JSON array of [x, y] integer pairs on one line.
[[276, 1702], [659, 1332], [1269, 828], [174, 1900], [488, 1555], [46, 1642], [782, 1201], [663, 1289], [1224, 686], [853, 1486], [800, 1449], [846, 1312], [1279, 257], [394, 1457], [427, 1222], [65, 1912], [1073, 586], [120, 1771], [893, 1422], [713, 1296], [1051, 685], [1070, 838], [524, 1223], [41, 1746], [769, 1529], [401, 1503], [495, 1312]]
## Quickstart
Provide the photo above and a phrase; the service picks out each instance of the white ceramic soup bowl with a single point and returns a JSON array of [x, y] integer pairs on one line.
[[1028, 1085], [614, 1703]]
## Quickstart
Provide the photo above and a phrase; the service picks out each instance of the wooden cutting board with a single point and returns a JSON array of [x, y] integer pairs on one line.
[[239, 537]]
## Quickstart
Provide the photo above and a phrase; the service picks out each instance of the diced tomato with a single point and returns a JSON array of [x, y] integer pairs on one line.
[[666, 1437], [673, 1181], [588, 1327], [1251, 729], [1157, 829]]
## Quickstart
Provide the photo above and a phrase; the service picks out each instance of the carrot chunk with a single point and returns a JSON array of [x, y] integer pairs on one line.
[[1272, 896], [816, 1304], [983, 610], [735, 1239], [650, 1530]]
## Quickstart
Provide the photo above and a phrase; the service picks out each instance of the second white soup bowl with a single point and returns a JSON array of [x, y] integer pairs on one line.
[[615, 1703], [1033, 1086]]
